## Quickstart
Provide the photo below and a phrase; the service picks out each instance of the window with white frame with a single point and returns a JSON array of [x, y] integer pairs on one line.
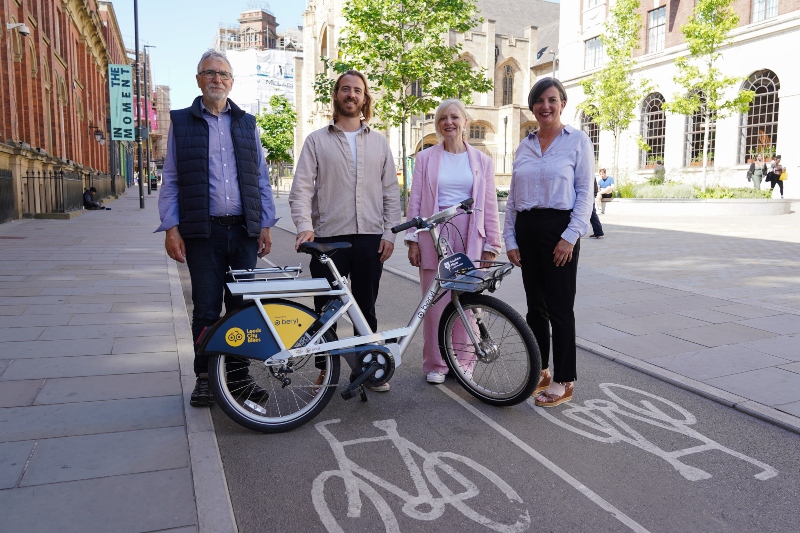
[[654, 125], [477, 132], [695, 133], [656, 29], [593, 3], [758, 132], [764, 9], [593, 131], [593, 56]]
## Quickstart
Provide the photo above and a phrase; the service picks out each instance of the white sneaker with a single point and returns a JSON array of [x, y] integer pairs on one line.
[[379, 388], [435, 377]]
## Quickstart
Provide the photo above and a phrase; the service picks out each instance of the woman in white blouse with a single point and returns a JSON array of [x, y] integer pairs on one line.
[[445, 175], [548, 210]]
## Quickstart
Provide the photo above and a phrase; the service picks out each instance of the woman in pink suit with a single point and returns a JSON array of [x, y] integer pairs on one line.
[[444, 175]]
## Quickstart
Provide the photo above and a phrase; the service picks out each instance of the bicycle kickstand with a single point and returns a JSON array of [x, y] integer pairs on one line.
[[356, 387]]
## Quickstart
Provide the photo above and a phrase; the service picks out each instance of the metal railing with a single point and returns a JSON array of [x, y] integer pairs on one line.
[[103, 184], [51, 192], [6, 195], [117, 184], [503, 162]]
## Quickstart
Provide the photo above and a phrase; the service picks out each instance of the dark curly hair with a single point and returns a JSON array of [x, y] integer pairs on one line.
[[541, 86]]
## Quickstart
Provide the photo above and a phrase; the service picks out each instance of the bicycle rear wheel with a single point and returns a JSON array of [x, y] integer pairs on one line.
[[287, 406], [508, 371]]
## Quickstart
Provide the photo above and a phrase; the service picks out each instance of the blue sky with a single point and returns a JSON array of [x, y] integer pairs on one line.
[[181, 30]]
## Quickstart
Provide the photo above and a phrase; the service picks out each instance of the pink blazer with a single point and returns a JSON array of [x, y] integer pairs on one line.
[[484, 225]]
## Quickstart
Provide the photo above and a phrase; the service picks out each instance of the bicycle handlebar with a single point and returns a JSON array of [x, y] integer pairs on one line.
[[419, 222]]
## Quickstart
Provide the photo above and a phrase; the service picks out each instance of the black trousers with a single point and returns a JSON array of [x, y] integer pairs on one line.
[[549, 290], [776, 181], [594, 220], [362, 264]]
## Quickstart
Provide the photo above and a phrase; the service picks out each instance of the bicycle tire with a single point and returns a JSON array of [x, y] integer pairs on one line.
[[510, 373], [286, 407]]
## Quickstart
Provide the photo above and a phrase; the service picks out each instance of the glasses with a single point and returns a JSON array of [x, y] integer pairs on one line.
[[211, 74]]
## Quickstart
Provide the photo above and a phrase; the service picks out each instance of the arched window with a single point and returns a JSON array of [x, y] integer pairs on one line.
[[477, 132], [416, 89], [528, 128], [508, 85], [695, 131], [654, 122], [758, 132], [593, 131]]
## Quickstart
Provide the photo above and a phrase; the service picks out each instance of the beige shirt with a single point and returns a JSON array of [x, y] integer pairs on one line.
[[334, 195]]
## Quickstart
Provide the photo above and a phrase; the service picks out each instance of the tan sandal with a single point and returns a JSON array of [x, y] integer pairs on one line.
[[318, 384], [556, 394], [544, 382]]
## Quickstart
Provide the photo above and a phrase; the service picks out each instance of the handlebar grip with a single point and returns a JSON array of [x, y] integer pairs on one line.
[[467, 203], [413, 223]]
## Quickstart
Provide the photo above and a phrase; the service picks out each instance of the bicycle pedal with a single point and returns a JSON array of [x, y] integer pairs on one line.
[[363, 395], [352, 392]]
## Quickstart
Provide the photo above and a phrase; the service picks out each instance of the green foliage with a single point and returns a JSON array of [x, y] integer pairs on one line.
[[399, 42], [626, 189], [612, 93], [502, 193], [686, 191], [277, 129], [733, 192]]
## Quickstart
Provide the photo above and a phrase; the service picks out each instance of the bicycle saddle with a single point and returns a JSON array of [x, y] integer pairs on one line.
[[319, 248]]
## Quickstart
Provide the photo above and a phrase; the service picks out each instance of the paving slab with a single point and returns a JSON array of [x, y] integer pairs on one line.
[[87, 418], [160, 343], [31, 300], [780, 324], [110, 454], [593, 301], [141, 307], [87, 319], [791, 367], [67, 309], [13, 456], [27, 321], [106, 331], [710, 315], [19, 393], [62, 348], [591, 315], [4, 364], [133, 503], [785, 346], [599, 332], [19, 291], [696, 302], [791, 408], [12, 310], [657, 307], [715, 362], [746, 311], [644, 325], [719, 334], [111, 387], [652, 345], [768, 386], [22, 334], [91, 365]]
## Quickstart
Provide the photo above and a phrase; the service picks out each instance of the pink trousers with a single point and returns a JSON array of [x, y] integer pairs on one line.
[[431, 356]]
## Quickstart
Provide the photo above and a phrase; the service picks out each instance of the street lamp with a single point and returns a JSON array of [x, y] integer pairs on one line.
[[545, 50], [505, 142], [147, 115], [138, 104]]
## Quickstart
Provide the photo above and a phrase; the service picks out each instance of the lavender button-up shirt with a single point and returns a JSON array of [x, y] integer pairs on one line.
[[562, 178], [224, 195]]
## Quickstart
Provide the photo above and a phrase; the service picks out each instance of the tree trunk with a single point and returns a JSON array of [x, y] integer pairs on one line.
[[615, 162], [707, 116], [403, 165]]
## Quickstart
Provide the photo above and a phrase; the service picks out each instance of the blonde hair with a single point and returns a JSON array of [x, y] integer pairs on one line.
[[444, 106], [366, 110]]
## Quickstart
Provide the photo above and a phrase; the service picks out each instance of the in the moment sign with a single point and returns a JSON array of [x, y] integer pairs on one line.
[[120, 86]]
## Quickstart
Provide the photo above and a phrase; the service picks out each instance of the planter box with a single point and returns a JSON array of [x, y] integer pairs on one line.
[[501, 204], [680, 207]]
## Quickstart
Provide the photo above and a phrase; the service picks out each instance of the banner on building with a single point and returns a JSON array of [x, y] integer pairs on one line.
[[120, 88], [261, 74]]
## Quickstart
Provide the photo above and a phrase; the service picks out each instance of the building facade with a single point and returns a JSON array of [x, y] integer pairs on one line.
[[257, 30], [53, 96], [504, 47], [755, 54]]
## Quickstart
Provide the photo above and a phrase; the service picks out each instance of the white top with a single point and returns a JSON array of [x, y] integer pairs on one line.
[[351, 138], [455, 179]]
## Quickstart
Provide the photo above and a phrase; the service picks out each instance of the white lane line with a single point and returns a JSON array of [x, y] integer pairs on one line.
[[577, 485]]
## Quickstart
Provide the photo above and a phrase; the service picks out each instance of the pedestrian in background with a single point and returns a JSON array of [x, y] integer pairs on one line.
[[216, 207], [345, 190], [605, 189], [758, 169], [776, 169], [445, 175], [548, 210], [594, 220]]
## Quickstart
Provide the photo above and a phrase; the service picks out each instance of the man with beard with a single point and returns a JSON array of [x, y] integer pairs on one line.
[[216, 206], [345, 190]]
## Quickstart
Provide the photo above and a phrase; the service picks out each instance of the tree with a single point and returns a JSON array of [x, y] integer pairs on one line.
[[704, 83], [399, 42], [613, 93], [277, 131]]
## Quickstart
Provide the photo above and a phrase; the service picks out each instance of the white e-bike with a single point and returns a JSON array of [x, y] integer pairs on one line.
[[294, 356]]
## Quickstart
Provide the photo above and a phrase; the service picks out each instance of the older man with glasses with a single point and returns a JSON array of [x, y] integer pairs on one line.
[[216, 206]]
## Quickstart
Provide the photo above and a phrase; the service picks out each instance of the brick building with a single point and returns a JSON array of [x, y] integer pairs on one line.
[[756, 53], [53, 94], [257, 30]]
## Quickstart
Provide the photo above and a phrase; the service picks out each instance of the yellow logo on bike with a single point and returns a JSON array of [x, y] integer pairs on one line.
[[234, 337]]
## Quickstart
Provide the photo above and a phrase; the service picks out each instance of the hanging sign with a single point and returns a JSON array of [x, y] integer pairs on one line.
[[120, 86]]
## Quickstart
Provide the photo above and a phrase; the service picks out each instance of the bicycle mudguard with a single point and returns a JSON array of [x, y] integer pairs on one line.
[[243, 333]]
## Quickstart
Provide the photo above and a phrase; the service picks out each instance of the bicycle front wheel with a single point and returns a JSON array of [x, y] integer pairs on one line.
[[508, 370], [293, 396]]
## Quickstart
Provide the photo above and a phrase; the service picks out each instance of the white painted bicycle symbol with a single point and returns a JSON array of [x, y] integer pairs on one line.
[[614, 428], [423, 505]]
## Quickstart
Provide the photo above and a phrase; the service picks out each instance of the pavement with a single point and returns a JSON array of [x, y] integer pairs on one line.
[[96, 433]]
